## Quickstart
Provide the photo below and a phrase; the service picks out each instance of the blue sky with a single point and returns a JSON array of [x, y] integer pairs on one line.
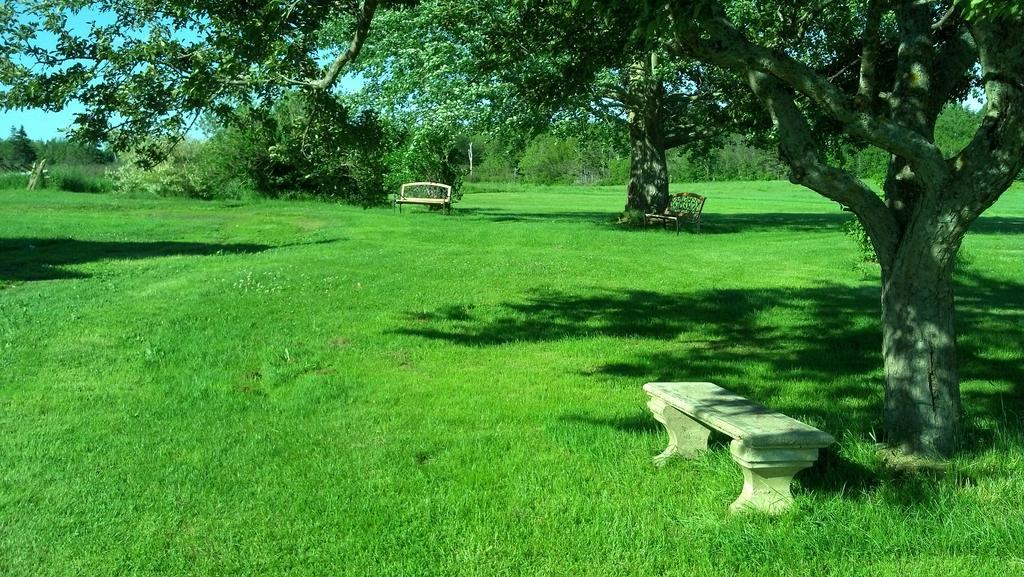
[[38, 124]]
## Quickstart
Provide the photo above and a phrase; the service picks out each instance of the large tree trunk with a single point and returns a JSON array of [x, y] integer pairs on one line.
[[648, 171], [922, 385]]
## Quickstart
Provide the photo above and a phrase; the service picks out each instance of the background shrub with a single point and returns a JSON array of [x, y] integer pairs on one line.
[[549, 159], [80, 178], [13, 180], [425, 154], [176, 176]]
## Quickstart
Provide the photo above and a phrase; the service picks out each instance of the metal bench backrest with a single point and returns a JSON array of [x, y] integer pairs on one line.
[[425, 190], [686, 205]]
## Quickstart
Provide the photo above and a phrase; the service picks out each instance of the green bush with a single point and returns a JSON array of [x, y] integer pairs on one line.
[[869, 163], [618, 171], [855, 231], [426, 154], [550, 160], [88, 179], [498, 166], [176, 176], [10, 180], [306, 146]]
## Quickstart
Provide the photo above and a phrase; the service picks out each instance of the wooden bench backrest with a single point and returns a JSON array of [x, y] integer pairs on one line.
[[685, 204], [738, 417], [425, 190]]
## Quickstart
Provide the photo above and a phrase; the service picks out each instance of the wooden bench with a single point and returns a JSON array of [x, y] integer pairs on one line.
[[769, 447], [683, 207], [428, 193]]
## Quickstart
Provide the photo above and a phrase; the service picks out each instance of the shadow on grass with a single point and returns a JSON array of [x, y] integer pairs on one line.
[[498, 215], [812, 353], [998, 225], [638, 423], [730, 223], [34, 259], [712, 223]]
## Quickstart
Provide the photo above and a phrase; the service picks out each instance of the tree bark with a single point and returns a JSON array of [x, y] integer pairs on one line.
[[37, 179], [922, 384], [648, 170]]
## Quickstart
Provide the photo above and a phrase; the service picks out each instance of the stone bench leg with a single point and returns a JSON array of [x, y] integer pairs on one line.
[[767, 474], [686, 437]]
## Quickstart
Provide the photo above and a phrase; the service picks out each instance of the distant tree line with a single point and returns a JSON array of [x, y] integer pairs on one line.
[[601, 156], [326, 147], [18, 152]]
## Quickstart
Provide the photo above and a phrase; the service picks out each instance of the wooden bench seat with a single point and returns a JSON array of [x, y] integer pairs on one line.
[[426, 193], [768, 446], [683, 207]]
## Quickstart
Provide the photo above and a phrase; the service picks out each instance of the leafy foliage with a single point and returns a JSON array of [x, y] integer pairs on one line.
[[550, 160], [310, 144], [17, 152], [146, 71], [425, 154]]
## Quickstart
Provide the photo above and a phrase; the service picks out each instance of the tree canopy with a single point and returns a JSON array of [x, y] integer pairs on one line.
[[146, 71]]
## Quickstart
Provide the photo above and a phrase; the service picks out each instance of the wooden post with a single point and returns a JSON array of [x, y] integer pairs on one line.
[[37, 179]]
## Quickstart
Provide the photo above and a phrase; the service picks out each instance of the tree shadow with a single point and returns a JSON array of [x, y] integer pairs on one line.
[[725, 223], [998, 225], [811, 353], [640, 423], [499, 215], [35, 259], [771, 221], [711, 223], [990, 313]]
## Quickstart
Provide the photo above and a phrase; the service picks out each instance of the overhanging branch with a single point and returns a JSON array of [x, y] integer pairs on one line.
[[799, 150], [714, 39]]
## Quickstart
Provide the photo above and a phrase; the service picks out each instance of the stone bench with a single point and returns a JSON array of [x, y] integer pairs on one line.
[[769, 447]]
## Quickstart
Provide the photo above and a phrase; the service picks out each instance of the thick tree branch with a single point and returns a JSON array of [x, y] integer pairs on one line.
[[912, 93], [953, 62], [906, 184], [609, 112], [799, 150], [363, 19], [868, 85], [996, 153], [717, 41], [677, 136]]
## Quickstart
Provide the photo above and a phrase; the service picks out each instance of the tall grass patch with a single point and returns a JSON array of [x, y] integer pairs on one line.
[[13, 180], [92, 179]]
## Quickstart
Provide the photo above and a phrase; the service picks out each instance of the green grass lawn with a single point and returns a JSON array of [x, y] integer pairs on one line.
[[293, 388]]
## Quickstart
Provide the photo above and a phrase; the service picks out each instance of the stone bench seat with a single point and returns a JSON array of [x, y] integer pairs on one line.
[[769, 446]]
